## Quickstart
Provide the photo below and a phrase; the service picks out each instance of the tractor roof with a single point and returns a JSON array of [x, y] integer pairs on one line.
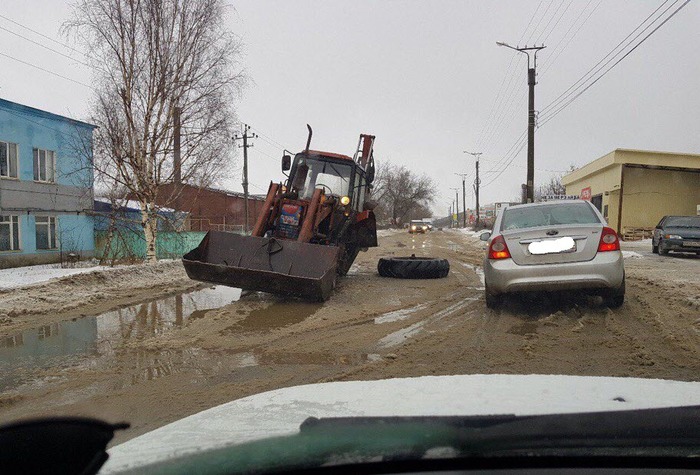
[[329, 155]]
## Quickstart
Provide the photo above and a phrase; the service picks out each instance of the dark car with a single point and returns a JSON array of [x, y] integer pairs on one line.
[[678, 234]]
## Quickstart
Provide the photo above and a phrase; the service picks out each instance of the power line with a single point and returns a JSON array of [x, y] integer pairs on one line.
[[555, 24], [41, 34], [46, 70], [572, 99], [555, 54], [509, 74], [45, 47], [592, 71]]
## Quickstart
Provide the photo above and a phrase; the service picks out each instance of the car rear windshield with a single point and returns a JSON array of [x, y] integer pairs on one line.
[[560, 213], [683, 222]]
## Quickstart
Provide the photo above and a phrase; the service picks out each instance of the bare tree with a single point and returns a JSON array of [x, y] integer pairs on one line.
[[150, 57], [553, 186], [400, 192]]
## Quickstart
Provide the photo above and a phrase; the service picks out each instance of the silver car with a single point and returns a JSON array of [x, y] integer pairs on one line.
[[564, 245]]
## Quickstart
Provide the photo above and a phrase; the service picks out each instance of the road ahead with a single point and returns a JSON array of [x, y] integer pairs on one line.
[[154, 367]]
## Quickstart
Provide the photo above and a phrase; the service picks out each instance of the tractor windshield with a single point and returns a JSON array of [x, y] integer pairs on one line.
[[312, 173]]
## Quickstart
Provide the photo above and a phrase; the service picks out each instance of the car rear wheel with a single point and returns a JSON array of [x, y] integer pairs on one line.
[[492, 300], [413, 267], [616, 297]]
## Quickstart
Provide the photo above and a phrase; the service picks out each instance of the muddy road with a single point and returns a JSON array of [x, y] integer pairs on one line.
[[156, 361]]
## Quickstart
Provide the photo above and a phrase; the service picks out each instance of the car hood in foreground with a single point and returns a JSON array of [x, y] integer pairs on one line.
[[281, 412]]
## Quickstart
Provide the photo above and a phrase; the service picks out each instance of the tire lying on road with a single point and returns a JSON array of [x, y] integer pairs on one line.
[[413, 267]]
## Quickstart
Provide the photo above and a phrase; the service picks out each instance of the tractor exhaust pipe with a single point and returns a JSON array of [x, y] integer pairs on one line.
[[308, 141]]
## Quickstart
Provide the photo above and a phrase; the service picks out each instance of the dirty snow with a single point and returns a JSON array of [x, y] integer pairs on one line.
[[631, 255], [388, 232], [20, 276]]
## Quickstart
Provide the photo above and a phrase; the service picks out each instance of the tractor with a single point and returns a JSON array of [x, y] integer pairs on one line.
[[309, 232]]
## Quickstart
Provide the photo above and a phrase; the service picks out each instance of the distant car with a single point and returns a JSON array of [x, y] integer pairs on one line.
[[553, 246], [678, 234], [417, 226]]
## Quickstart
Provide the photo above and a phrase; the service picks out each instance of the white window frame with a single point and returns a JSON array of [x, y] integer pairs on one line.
[[51, 237], [49, 175], [9, 146], [13, 220]]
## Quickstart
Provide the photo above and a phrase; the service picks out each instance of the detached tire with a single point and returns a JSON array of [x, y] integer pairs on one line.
[[413, 267]]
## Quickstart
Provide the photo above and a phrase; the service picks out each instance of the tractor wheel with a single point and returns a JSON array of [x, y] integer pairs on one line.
[[413, 267]]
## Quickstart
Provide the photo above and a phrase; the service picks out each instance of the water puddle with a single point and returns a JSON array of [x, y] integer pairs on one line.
[[277, 315], [72, 342], [400, 314]]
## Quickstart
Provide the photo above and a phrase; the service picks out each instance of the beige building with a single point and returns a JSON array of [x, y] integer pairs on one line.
[[634, 189]]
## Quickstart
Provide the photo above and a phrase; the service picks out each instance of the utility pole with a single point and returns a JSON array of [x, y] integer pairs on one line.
[[531, 81], [464, 198], [477, 182], [457, 206], [244, 138]]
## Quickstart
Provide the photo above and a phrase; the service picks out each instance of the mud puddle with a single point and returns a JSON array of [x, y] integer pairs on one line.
[[81, 341], [277, 315]]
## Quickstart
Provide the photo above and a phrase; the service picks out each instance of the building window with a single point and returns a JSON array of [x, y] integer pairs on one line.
[[46, 232], [8, 159], [44, 165], [9, 233]]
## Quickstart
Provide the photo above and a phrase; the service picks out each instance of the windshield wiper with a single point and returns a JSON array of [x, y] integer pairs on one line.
[[665, 438]]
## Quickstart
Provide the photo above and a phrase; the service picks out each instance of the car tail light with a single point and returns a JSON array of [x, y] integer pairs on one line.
[[498, 248], [608, 240]]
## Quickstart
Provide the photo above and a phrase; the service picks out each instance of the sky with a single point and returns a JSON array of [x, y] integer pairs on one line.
[[425, 77]]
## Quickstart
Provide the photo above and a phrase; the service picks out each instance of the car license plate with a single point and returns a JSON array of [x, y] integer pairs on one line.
[[691, 244], [552, 246]]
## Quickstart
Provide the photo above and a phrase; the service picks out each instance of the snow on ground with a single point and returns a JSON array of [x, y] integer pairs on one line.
[[388, 232], [20, 276], [631, 255]]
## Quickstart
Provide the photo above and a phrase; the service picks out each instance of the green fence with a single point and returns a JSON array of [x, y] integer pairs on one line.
[[129, 245]]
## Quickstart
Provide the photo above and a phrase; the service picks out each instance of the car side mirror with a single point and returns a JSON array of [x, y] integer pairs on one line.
[[286, 162], [369, 205], [485, 236]]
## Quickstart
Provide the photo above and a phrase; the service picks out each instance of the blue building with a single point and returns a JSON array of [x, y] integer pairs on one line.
[[46, 186]]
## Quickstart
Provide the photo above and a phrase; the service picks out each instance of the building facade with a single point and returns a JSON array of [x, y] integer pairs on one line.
[[46, 186], [210, 209], [634, 189]]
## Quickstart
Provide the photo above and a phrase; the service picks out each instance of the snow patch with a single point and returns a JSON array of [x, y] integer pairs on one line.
[[21, 276], [478, 270], [631, 255], [388, 232], [400, 314]]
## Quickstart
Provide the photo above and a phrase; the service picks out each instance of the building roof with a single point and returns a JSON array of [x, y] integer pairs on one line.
[[236, 194], [5, 104], [625, 156]]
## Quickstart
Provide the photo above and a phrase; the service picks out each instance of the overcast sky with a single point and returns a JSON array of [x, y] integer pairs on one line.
[[426, 78]]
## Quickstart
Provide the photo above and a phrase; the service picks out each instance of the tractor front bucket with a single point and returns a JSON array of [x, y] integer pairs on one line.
[[291, 268]]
